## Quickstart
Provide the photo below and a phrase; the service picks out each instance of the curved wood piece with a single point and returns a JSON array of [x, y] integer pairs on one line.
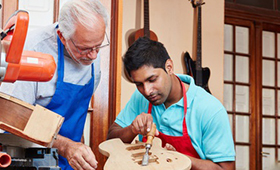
[[122, 156], [34, 123]]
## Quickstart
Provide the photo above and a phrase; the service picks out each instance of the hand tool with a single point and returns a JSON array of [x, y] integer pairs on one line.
[[150, 137]]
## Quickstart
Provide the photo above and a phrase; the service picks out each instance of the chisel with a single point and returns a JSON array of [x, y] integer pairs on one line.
[[150, 137]]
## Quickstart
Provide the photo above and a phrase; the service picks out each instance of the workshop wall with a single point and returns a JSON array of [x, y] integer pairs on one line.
[[172, 22]]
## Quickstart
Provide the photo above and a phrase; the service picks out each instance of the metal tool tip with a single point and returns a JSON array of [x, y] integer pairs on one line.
[[145, 160]]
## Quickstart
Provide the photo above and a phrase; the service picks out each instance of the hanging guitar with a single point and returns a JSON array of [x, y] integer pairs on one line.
[[144, 32], [193, 67]]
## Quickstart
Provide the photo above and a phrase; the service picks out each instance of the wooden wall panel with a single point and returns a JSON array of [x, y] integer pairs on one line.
[[106, 100], [55, 10]]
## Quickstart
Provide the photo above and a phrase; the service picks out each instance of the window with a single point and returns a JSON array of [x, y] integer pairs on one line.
[[237, 89], [252, 82]]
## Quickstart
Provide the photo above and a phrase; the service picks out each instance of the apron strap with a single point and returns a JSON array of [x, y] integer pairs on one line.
[[150, 108], [60, 60], [185, 107]]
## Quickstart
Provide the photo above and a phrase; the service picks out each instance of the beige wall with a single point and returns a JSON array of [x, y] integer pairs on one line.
[[172, 21]]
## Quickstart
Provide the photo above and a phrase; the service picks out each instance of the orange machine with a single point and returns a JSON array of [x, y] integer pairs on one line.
[[17, 64]]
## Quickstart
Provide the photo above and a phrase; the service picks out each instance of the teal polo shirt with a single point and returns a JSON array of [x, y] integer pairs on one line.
[[207, 121]]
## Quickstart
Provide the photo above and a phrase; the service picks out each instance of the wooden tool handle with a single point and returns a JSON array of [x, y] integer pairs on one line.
[[151, 134]]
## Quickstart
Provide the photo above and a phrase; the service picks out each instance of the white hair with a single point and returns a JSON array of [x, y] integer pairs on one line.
[[84, 12]]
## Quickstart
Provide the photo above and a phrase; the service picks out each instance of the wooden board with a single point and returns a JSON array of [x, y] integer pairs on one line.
[[122, 156], [34, 123]]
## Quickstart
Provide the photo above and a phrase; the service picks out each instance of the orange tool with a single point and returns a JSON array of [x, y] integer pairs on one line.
[[149, 143], [16, 64]]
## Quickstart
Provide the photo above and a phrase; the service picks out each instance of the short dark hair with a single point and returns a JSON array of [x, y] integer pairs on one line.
[[145, 52]]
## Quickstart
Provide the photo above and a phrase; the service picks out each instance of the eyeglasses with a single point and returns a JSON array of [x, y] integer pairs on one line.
[[97, 48]]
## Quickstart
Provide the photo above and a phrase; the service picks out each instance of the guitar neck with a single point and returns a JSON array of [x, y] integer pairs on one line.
[[196, 55], [198, 51], [200, 75], [146, 19]]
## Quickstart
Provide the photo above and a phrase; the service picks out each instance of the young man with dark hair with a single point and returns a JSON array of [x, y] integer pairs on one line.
[[189, 120]]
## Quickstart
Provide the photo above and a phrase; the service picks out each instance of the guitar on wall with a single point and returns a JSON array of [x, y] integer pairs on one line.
[[193, 67], [144, 32]]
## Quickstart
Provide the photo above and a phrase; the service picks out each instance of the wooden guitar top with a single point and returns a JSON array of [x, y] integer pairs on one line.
[[129, 156]]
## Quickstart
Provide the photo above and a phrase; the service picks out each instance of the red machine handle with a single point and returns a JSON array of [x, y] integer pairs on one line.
[[17, 35]]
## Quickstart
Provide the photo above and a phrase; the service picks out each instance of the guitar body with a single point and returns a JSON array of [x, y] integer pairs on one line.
[[189, 64], [129, 156], [140, 33], [191, 70]]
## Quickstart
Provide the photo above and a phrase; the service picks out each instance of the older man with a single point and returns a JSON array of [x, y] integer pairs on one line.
[[74, 42]]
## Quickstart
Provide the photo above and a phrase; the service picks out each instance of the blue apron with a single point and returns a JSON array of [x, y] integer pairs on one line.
[[70, 101]]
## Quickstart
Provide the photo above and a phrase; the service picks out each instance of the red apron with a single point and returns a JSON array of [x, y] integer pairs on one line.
[[183, 143]]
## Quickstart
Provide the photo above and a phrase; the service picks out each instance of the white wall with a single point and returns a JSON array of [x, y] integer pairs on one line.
[[40, 12], [172, 21]]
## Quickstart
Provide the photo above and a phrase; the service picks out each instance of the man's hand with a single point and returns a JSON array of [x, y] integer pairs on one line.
[[79, 156], [142, 124], [169, 147]]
